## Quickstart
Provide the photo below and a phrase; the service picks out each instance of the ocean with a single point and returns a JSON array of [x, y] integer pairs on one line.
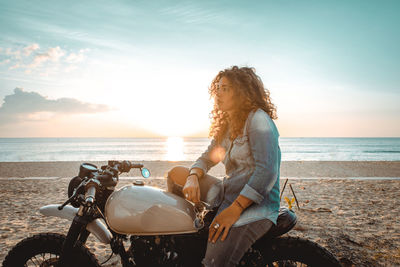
[[188, 149]]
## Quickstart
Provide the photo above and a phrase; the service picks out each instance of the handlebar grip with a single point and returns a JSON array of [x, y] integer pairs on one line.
[[124, 166], [90, 194], [137, 165], [127, 165]]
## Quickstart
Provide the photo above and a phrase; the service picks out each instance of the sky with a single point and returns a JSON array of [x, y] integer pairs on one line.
[[143, 68]]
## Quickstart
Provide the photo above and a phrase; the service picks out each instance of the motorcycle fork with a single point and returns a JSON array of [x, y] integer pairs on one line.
[[77, 229], [84, 236]]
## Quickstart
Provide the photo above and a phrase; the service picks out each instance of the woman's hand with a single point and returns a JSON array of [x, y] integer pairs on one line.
[[191, 189], [225, 220]]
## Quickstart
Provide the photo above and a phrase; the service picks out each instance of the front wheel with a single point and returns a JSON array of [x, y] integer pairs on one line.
[[44, 250], [288, 251]]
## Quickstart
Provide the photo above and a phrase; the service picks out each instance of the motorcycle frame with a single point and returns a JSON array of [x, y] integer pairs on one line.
[[80, 230], [85, 221]]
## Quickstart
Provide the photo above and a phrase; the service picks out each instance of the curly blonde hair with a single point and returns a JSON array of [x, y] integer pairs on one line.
[[249, 94]]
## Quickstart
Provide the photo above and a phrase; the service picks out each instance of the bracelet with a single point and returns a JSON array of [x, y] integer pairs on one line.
[[238, 203], [194, 173]]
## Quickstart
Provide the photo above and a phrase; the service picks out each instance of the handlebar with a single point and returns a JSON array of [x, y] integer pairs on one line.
[[137, 166], [91, 180], [90, 195], [124, 166], [107, 178], [90, 189]]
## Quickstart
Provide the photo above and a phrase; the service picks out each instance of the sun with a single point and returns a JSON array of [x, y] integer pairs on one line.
[[175, 147]]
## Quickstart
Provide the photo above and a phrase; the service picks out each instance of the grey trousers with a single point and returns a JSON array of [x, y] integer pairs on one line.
[[239, 239]]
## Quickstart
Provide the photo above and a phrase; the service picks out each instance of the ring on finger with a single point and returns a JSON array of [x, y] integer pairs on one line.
[[216, 225], [186, 195]]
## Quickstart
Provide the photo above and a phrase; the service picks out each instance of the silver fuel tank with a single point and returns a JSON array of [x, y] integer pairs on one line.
[[146, 210]]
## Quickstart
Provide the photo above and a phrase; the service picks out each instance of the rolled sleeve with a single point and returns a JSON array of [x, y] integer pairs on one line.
[[263, 140], [201, 165], [204, 162], [252, 194]]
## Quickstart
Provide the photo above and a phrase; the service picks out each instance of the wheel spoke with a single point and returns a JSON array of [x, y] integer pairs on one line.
[[45, 260], [285, 263], [38, 261], [35, 261], [34, 264]]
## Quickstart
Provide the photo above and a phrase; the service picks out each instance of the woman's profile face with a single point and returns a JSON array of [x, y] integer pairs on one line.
[[224, 95]]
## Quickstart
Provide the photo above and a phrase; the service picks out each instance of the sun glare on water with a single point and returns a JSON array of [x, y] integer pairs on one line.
[[175, 148]]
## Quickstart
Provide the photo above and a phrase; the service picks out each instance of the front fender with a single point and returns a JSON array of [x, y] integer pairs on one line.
[[67, 212], [97, 227]]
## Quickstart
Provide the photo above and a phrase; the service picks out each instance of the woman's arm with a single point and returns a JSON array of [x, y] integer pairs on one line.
[[191, 189], [227, 218], [203, 164], [208, 159], [263, 140]]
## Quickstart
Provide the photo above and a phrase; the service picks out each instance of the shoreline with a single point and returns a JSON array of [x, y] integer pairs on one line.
[[298, 169]]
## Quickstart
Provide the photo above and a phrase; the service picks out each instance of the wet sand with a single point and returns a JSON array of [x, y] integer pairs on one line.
[[357, 220]]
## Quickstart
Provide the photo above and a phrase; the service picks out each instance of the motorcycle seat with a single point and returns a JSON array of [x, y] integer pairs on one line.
[[287, 219]]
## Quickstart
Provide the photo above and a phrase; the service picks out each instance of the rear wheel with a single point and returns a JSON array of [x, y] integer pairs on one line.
[[44, 250], [288, 251]]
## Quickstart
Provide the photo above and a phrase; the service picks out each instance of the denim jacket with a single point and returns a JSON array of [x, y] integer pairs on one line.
[[252, 163]]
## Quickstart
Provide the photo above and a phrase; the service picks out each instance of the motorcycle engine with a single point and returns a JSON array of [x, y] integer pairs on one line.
[[153, 251], [169, 250]]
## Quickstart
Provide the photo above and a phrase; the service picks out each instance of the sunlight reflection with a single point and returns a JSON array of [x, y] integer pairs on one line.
[[175, 148], [217, 154]]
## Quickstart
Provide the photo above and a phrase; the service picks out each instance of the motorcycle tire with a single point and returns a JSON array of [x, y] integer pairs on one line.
[[288, 251], [47, 246]]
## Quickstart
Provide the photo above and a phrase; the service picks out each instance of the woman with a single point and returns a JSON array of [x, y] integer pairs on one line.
[[245, 138]]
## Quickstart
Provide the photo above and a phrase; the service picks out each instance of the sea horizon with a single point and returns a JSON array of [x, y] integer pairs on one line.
[[22, 149], [155, 137]]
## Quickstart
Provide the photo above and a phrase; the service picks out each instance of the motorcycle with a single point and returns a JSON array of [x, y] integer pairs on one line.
[[163, 229]]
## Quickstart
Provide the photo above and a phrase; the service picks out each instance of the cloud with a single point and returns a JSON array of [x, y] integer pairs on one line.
[[53, 54], [30, 106], [15, 66], [27, 51], [6, 61], [76, 57], [13, 53], [31, 59], [24, 51]]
